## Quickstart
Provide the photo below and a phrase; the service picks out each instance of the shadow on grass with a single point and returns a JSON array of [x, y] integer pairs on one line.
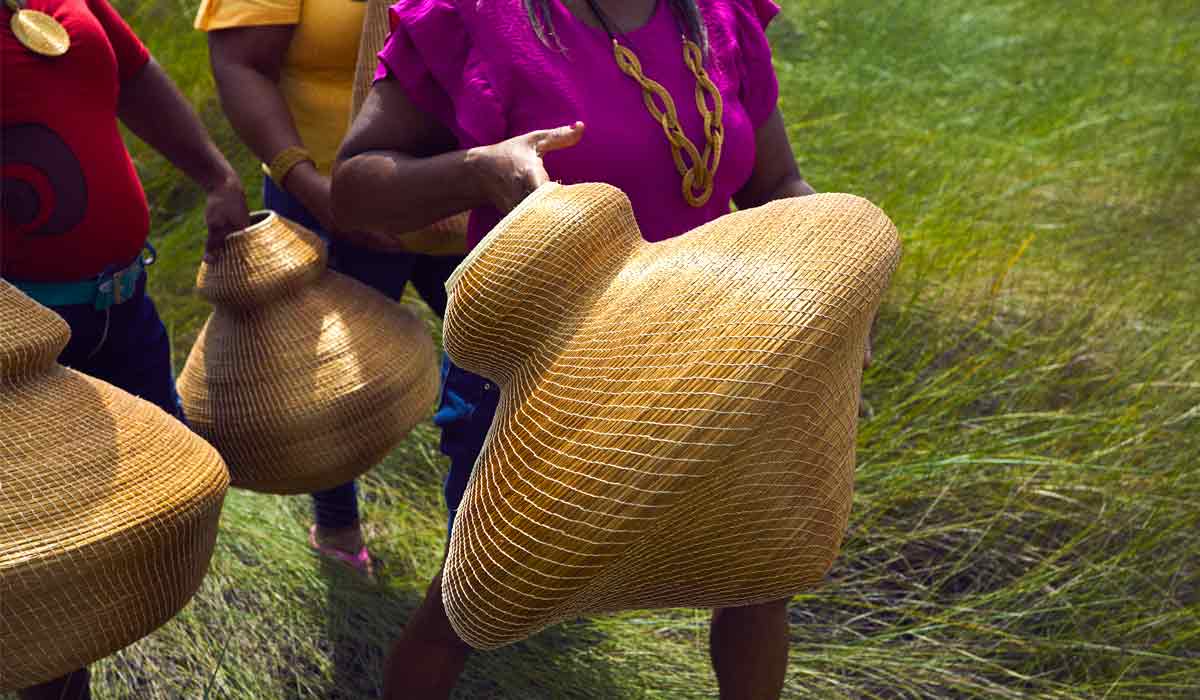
[[363, 618], [359, 617], [562, 661]]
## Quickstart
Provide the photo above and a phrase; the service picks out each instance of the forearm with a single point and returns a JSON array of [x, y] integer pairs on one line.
[[256, 109], [154, 110], [389, 192], [400, 170]]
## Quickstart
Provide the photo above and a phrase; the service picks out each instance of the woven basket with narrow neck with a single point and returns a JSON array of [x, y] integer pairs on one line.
[[677, 419], [303, 378], [108, 506]]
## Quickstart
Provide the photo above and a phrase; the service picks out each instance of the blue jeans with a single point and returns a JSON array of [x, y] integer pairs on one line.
[[337, 508], [126, 345], [468, 406]]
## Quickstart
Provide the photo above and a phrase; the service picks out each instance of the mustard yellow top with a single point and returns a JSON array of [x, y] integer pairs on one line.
[[317, 78]]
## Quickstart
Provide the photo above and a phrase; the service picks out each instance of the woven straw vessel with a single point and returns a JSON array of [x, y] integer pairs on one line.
[[375, 31], [448, 236], [677, 420], [303, 378], [108, 506]]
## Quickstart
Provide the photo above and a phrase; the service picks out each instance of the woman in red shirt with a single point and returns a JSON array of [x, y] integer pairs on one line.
[[75, 218]]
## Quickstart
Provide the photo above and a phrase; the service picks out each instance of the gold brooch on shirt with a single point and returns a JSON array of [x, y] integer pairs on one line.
[[38, 31]]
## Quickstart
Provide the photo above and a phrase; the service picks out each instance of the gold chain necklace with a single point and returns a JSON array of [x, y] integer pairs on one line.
[[38, 31], [697, 170]]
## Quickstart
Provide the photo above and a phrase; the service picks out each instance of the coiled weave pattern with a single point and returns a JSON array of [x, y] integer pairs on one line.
[[303, 378], [108, 506], [677, 420]]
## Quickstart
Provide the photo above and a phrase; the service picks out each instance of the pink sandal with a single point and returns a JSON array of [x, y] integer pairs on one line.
[[360, 562]]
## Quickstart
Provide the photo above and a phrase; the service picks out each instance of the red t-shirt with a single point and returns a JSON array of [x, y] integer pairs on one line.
[[72, 201]]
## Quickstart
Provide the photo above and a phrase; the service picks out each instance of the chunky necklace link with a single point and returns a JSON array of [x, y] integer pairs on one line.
[[696, 169]]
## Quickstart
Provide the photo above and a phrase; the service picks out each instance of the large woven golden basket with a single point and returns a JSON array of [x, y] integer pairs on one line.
[[108, 506], [302, 378], [677, 419], [448, 236]]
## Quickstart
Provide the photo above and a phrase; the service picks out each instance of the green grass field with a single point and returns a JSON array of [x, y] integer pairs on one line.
[[1027, 520]]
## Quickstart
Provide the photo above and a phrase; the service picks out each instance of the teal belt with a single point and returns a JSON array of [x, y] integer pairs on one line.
[[109, 288]]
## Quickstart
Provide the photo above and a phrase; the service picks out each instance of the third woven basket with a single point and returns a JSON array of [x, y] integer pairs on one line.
[[302, 378], [677, 419], [108, 506]]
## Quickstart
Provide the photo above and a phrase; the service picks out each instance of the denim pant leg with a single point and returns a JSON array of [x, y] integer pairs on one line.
[[465, 415], [287, 206], [429, 278], [386, 273], [126, 346]]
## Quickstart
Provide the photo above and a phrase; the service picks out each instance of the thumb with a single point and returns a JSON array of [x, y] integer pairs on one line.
[[558, 139]]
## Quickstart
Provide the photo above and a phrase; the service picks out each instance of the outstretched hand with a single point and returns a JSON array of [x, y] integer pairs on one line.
[[509, 171]]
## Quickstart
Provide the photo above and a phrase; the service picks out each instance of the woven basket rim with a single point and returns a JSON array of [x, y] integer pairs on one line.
[[268, 217], [481, 247]]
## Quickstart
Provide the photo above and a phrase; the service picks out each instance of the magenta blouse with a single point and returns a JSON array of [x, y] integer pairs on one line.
[[479, 68]]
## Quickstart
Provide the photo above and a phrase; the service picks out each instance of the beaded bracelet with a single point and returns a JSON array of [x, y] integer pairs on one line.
[[284, 161]]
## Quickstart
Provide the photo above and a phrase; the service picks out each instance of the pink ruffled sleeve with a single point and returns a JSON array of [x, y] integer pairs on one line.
[[430, 52], [760, 86]]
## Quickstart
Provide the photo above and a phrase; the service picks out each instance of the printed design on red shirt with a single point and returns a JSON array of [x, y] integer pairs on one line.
[[44, 191], [72, 204]]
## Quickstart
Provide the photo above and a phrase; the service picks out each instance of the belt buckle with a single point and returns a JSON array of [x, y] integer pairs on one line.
[[111, 287], [105, 294], [118, 286]]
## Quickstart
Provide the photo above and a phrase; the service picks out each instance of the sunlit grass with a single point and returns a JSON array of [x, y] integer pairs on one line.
[[1028, 497]]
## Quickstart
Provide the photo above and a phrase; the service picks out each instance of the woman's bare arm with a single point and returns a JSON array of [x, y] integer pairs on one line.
[[151, 106], [400, 170], [775, 175], [246, 64]]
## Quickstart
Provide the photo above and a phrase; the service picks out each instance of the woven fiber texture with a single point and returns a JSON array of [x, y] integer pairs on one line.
[[376, 28], [108, 506], [677, 420], [448, 236], [303, 378]]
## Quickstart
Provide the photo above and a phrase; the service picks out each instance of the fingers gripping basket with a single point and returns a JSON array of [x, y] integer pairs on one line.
[[677, 420], [302, 378], [108, 506]]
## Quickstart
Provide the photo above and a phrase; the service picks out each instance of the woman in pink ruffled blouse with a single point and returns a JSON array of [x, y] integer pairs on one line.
[[476, 104]]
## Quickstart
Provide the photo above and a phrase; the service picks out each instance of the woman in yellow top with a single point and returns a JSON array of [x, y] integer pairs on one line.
[[285, 73]]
